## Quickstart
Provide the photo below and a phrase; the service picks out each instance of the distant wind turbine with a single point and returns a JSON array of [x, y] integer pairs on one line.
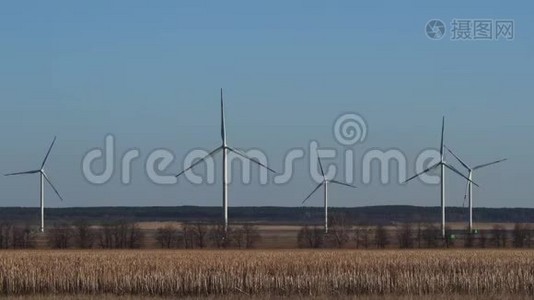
[[469, 190], [325, 183], [443, 165], [225, 148], [42, 177]]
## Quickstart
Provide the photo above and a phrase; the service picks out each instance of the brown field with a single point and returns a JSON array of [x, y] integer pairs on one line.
[[245, 297], [268, 273], [296, 228]]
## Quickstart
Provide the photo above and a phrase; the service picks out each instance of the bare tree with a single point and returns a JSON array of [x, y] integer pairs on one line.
[[405, 235], [105, 237], [528, 235], [167, 236], [469, 240], [200, 233], [450, 238], [245, 236], [381, 237], [23, 237], [238, 237], [339, 230], [482, 239], [83, 234], [521, 235], [6, 235], [419, 234], [60, 236], [252, 235], [366, 237], [120, 235], [188, 236], [356, 236], [498, 236], [431, 235], [517, 236], [219, 237], [216, 235], [310, 237], [136, 236], [362, 236]]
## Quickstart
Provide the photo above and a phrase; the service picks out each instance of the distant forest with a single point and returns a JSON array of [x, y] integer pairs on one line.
[[372, 215]]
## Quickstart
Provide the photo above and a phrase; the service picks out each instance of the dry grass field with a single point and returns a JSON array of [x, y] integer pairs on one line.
[[245, 297], [267, 273]]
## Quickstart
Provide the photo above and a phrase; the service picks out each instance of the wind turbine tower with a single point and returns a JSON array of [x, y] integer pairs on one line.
[[469, 188], [42, 178], [442, 164], [225, 150], [325, 183]]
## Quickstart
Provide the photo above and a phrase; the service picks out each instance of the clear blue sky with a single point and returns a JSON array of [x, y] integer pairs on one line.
[[149, 73]]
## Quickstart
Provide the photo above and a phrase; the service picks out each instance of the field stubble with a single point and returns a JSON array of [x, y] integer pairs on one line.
[[200, 273]]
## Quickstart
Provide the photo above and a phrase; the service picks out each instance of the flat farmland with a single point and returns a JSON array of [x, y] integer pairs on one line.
[[267, 273], [275, 236], [272, 236]]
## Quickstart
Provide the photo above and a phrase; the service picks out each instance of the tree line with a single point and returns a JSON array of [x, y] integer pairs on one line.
[[201, 235], [344, 234], [128, 235]]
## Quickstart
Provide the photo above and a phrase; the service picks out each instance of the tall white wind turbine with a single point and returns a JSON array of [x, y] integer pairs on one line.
[[225, 149], [42, 178], [469, 189], [325, 183], [443, 165]]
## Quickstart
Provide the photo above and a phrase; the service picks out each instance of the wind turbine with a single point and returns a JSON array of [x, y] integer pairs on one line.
[[469, 190], [225, 149], [42, 178], [325, 183], [443, 165]]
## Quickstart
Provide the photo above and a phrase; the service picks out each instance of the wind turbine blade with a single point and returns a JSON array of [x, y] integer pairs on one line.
[[251, 159], [313, 192], [53, 187], [23, 173], [489, 164], [342, 183], [442, 136], [421, 173], [457, 158], [200, 160], [459, 173], [48, 153], [223, 121], [320, 165]]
